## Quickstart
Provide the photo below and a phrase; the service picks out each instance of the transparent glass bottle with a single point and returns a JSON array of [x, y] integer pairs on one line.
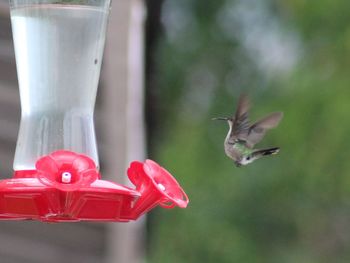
[[58, 47]]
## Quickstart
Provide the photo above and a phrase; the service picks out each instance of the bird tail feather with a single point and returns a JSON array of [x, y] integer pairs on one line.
[[265, 152]]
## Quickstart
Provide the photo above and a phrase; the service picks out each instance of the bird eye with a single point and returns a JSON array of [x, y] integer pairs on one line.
[[248, 158]]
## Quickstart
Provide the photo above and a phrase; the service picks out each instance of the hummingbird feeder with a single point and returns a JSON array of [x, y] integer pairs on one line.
[[58, 48]]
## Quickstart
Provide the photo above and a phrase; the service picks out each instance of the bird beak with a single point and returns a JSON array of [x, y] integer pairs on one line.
[[220, 119]]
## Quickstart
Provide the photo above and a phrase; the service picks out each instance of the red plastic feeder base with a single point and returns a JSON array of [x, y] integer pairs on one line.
[[67, 187]]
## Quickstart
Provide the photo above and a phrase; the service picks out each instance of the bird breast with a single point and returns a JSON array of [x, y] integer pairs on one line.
[[237, 150]]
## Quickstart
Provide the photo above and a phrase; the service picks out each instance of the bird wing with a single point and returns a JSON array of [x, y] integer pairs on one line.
[[241, 125], [258, 129]]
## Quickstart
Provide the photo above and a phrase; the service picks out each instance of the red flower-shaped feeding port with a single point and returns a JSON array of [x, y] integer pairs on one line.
[[157, 187], [66, 170], [66, 186]]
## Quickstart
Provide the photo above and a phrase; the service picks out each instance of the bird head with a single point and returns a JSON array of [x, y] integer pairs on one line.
[[229, 120]]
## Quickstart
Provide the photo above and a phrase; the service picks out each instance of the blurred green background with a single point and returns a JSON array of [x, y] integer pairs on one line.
[[290, 55]]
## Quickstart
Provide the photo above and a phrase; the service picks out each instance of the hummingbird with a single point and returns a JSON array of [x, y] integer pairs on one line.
[[242, 135]]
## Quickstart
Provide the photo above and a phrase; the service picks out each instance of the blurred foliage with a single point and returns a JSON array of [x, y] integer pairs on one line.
[[293, 207]]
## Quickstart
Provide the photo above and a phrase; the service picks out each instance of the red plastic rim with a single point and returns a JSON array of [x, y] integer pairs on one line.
[[66, 187]]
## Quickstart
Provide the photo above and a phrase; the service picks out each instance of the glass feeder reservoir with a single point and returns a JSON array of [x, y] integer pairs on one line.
[[58, 49]]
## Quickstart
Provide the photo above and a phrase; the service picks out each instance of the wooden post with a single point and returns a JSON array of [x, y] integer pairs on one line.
[[121, 115]]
